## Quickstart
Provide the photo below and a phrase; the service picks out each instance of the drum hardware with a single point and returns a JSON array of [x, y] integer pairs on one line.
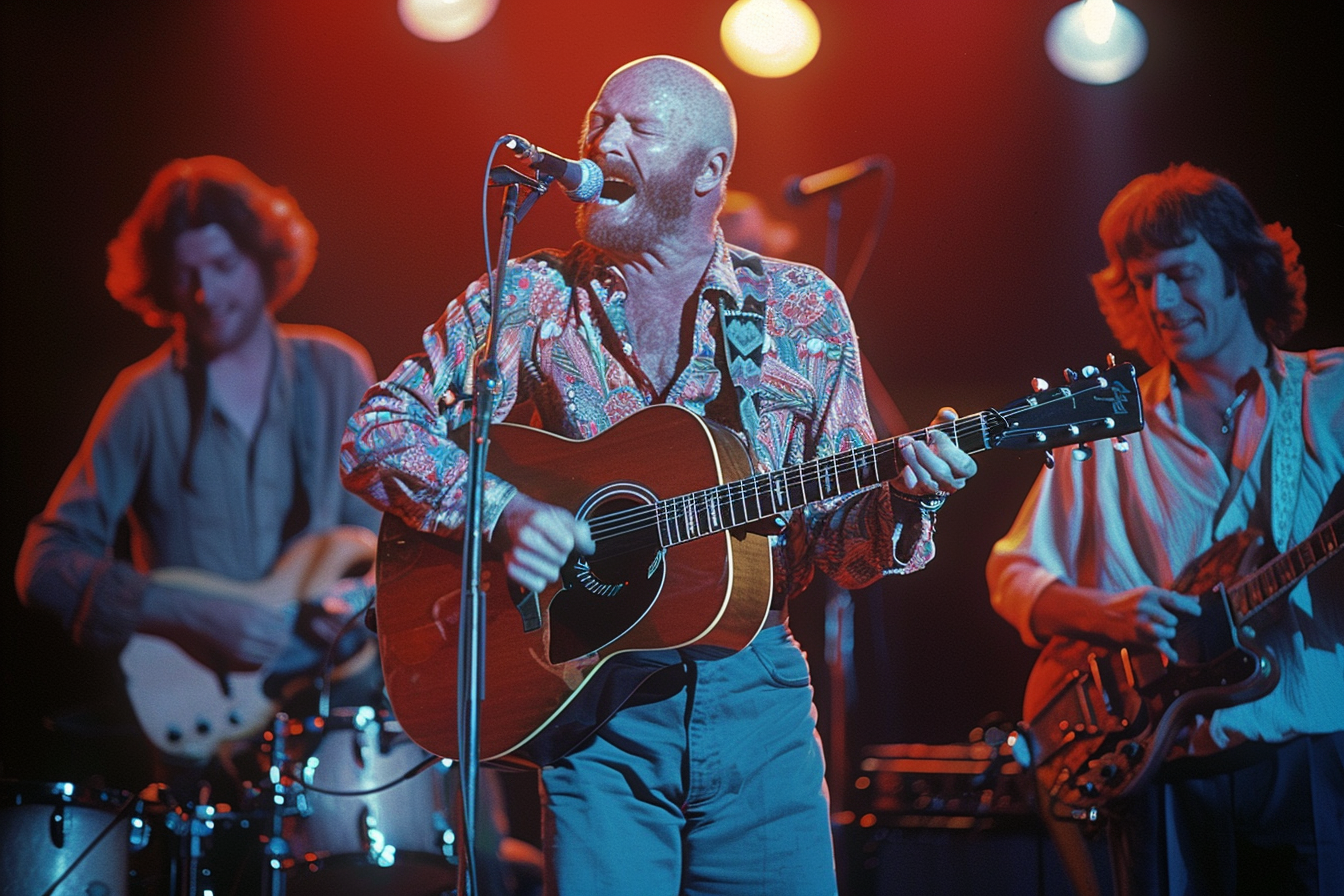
[[194, 826], [286, 798]]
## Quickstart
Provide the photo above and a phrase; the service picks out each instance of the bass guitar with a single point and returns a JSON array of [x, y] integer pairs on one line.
[[187, 709], [1101, 720], [668, 496]]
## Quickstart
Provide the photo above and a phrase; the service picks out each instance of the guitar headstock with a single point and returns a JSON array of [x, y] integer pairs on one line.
[[1093, 405]]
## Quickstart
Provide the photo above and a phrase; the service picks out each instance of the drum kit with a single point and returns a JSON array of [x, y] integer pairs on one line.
[[347, 804]]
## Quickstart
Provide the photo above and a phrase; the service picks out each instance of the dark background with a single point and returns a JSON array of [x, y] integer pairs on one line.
[[979, 281]]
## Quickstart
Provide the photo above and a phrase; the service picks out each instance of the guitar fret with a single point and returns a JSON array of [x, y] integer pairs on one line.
[[814, 478], [751, 489], [712, 516], [779, 491], [765, 496], [727, 508], [797, 488], [683, 527], [872, 469]]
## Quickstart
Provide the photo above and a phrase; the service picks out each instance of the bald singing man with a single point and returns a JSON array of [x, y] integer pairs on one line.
[[710, 778]]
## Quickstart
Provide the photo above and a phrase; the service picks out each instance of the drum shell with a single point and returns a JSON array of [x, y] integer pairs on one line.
[[44, 827], [399, 836]]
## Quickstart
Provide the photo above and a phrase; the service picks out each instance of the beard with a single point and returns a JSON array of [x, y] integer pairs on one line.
[[635, 226]]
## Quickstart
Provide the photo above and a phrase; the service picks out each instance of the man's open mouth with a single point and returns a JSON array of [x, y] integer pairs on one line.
[[615, 191]]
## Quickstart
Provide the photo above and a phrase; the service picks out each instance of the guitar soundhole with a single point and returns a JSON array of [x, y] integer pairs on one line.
[[604, 595]]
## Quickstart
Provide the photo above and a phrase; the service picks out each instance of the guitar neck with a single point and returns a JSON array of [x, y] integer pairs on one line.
[[1103, 405], [765, 495], [1275, 578]]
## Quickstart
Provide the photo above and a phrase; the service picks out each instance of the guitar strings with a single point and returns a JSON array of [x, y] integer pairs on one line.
[[616, 524], [762, 486], [759, 487]]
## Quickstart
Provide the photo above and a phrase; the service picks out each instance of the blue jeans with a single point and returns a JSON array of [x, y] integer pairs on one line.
[[715, 788]]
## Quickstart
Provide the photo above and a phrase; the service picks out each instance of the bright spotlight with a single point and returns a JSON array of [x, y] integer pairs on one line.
[[1096, 42], [770, 38], [445, 20]]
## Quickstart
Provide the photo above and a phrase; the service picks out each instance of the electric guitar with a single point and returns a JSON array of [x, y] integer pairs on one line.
[[1101, 720], [667, 495], [186, 709]]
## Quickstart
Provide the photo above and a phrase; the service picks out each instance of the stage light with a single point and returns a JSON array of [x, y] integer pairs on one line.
[[770, 38], [1096, 42], [445, 20]]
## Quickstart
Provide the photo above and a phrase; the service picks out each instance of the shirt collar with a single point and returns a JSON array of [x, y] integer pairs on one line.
[[721, 275], [1165, 376]]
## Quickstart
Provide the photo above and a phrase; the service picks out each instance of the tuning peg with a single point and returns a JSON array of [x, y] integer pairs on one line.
[[1090, 371], [1110, 360], [1120, 443], [1049, 461], [1069, 375], [1082, 451], [1038, 384]]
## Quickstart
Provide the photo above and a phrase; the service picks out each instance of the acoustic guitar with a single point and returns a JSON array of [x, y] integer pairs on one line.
[[1100, 720], [668, 497], [186, 709]]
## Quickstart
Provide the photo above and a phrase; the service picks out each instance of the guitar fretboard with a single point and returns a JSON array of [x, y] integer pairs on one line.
[[696, 514], [1257, 590]]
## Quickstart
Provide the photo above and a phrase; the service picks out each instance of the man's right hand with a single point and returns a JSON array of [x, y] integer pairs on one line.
[[536, 540], [1144, 617], [222, 633]]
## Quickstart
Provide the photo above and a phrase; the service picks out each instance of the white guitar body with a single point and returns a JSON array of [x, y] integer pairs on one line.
[[188, 710]]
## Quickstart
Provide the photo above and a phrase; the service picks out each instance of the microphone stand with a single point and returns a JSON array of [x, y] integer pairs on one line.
[[487, 383]]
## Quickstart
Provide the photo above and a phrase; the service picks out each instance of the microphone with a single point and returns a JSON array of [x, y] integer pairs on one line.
[[582, 180], [797, 190]]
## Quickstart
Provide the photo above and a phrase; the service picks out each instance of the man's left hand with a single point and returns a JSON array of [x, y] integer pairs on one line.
[[935, 464]]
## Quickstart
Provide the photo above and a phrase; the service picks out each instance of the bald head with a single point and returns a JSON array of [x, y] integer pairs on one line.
[[697, 98]]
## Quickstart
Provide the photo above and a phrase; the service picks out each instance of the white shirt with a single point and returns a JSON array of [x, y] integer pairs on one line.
[[1123, 520]]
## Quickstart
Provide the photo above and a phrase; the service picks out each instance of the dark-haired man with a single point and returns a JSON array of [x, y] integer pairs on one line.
[[1240, 434], [217, 452]]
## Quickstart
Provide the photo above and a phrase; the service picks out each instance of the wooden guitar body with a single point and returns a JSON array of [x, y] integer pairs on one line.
[[712, 591]]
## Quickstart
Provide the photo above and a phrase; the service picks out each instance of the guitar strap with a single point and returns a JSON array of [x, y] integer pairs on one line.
[[1286, 452], [195, 384], [742, 333], [302, 428]]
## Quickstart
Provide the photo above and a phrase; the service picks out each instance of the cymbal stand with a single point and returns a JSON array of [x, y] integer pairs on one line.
[[194, 825], [277, 857]]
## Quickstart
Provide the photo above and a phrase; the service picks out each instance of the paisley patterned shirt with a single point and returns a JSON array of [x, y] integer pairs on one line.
[[568, 367]]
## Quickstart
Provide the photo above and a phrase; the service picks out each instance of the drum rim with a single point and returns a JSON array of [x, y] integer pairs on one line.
[[17, 791]]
